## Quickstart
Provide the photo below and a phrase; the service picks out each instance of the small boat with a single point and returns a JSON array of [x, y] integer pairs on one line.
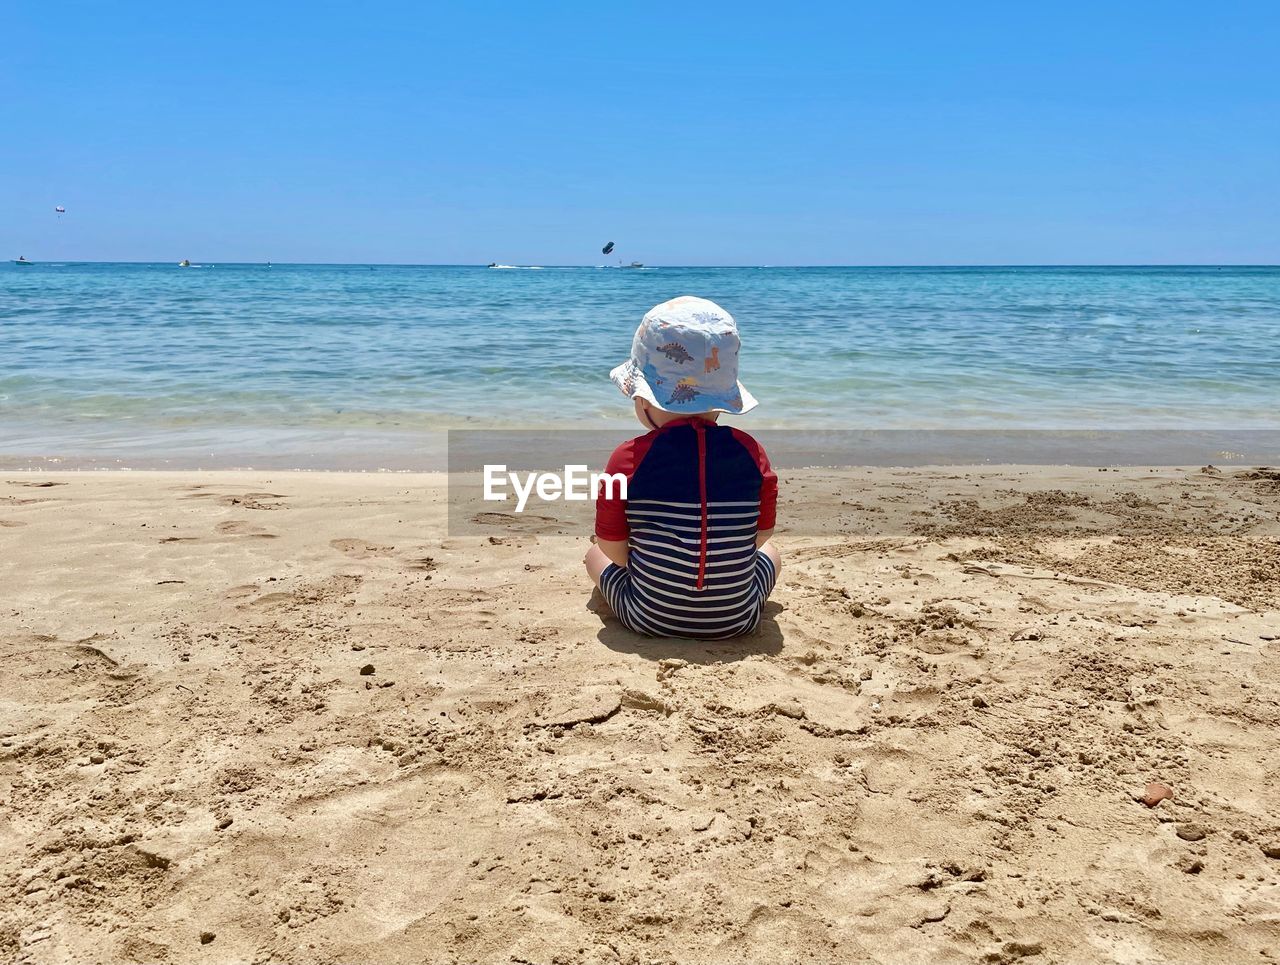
[[22, 260], [185, 263]]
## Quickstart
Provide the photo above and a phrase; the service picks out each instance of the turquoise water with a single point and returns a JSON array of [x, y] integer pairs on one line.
[[228, 359]]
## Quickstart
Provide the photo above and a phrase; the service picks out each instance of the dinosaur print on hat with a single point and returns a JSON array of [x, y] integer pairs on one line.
[[676, 352], [686, 390]]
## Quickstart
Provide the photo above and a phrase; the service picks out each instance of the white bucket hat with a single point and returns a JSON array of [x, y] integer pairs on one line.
[[684, 358]]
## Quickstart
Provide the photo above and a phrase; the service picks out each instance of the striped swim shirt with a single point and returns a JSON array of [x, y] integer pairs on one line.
[[697, 494]]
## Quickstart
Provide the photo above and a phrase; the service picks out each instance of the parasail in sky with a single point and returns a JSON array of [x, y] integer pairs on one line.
[[60, 209], [607, 249]]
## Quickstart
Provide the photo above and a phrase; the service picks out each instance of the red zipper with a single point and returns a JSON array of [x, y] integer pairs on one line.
[[702, 485]]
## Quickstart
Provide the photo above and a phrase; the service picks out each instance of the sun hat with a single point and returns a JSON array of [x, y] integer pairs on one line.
[[684, 358]]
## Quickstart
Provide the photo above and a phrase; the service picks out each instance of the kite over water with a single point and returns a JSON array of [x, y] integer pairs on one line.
[[60, 209], [607, 249]]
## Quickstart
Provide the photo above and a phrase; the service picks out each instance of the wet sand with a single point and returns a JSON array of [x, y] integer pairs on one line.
[[284, 717]]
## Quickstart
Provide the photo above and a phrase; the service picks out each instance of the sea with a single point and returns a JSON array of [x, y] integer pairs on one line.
[[364, 366]]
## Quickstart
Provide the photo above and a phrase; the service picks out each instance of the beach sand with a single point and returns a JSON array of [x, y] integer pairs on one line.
[[274, 717]]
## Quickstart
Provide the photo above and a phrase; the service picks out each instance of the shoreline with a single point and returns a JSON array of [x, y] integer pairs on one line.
[[468, 449]]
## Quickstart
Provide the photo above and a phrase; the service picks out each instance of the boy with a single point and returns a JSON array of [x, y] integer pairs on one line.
[[687, 554]]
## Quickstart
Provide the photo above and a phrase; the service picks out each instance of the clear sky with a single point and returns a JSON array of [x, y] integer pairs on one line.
[[689, 133]]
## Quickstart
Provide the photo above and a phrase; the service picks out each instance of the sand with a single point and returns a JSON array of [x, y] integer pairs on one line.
[[251, 717]]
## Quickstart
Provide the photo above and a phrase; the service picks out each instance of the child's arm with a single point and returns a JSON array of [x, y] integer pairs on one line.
[[612, 529], [768, 488], [615, 549]]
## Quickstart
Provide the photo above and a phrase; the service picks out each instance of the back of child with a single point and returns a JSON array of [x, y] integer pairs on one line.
[[687, 552]]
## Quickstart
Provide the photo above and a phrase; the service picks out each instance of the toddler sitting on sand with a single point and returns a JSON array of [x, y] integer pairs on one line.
[[687, 553]]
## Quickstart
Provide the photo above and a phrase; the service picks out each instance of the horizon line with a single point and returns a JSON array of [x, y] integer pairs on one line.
[[411, 264]]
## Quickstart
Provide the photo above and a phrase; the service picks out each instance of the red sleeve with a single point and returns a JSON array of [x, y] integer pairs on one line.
[[611, 511], [768, 481]]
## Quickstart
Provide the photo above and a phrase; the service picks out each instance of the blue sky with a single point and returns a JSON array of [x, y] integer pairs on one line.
[[692, 133]]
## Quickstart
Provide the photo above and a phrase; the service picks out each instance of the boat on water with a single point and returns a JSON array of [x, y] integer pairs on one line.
[[185, 263], [22, 260]]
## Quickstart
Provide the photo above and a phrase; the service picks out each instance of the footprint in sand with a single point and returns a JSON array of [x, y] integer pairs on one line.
[[241, 501], [239, 528], [254, 501], [506, 519], [271, 601], [11, 523], [520, 523], [245, 597], [359, 549]]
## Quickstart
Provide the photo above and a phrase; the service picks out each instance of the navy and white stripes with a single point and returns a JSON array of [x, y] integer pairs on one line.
[[656, 592]]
